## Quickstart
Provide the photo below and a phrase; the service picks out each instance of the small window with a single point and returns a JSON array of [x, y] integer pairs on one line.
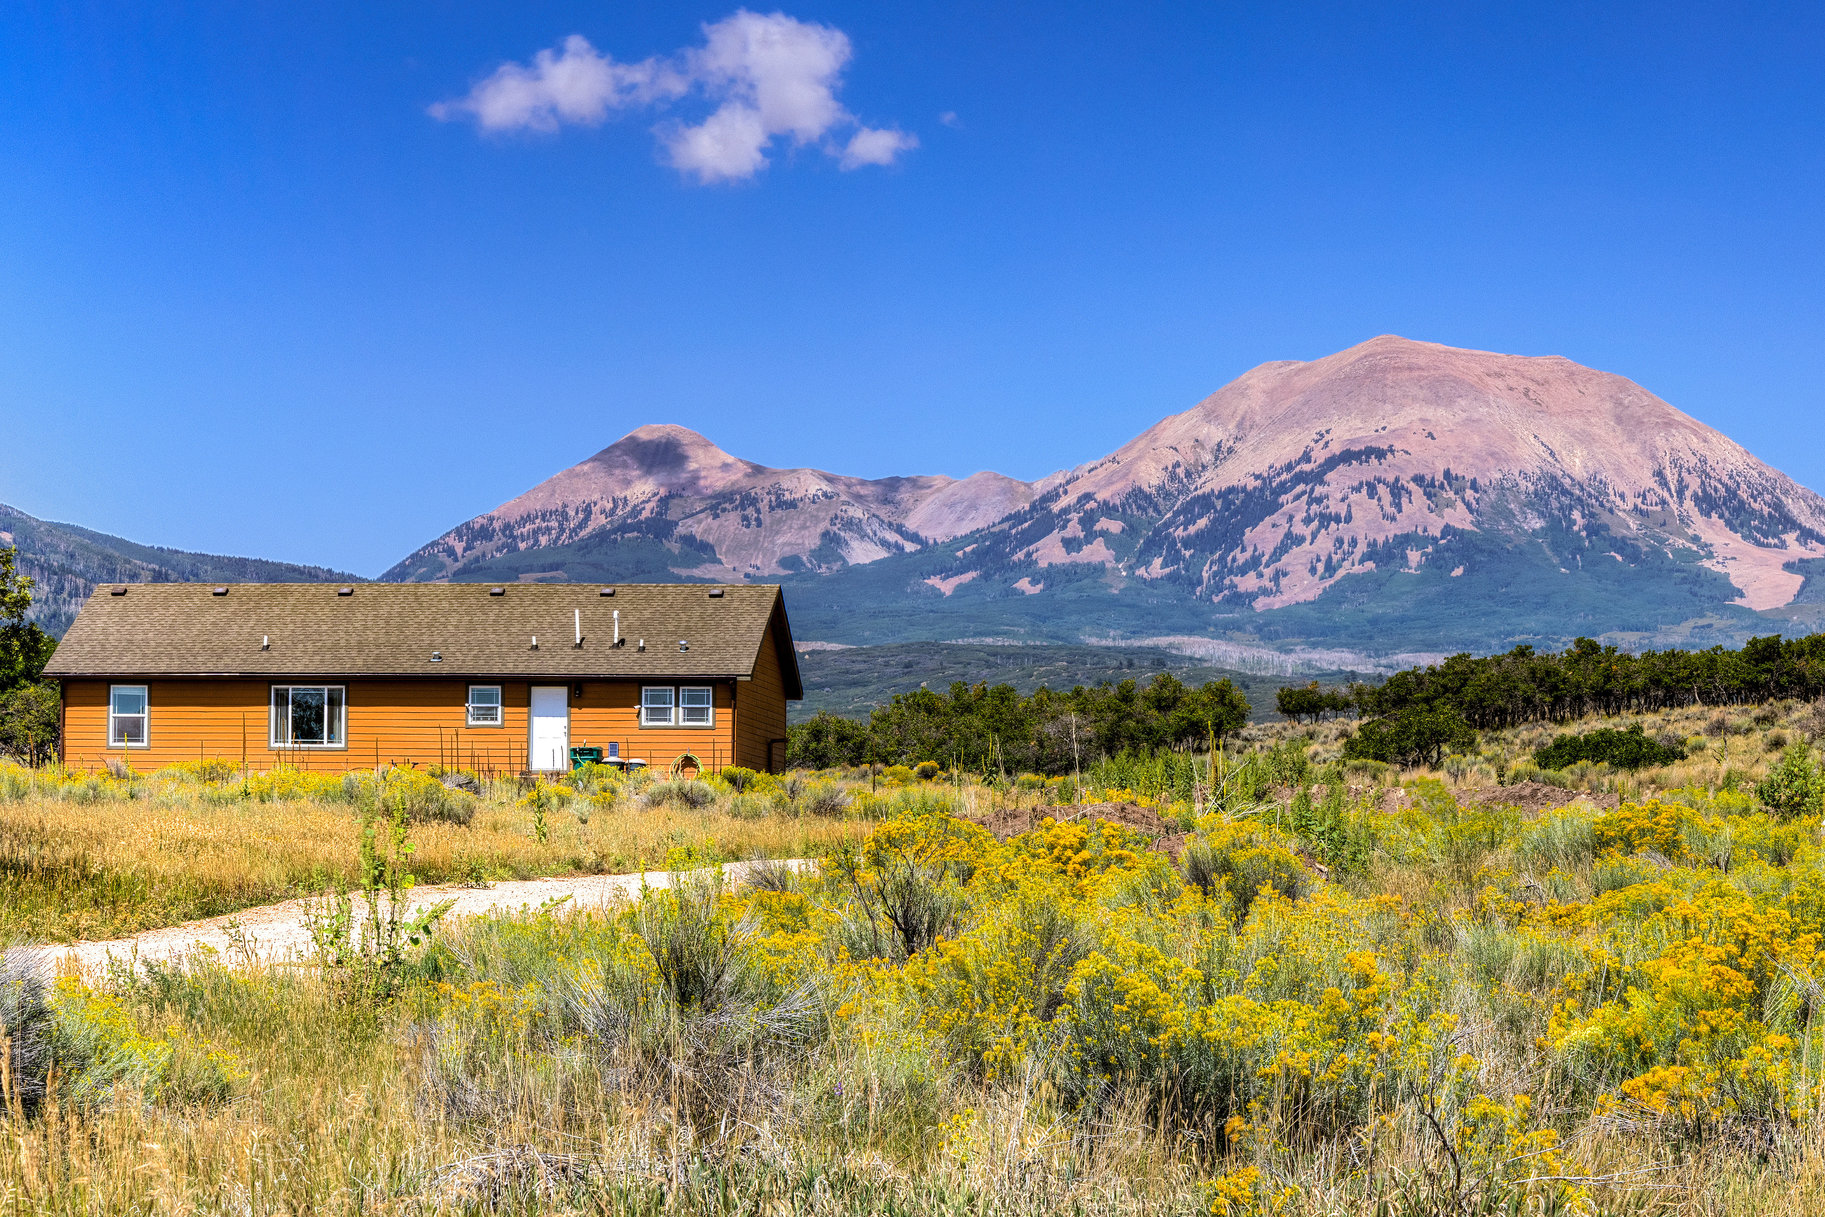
[[484, 705], [694, 706], [308, 716], [656, 706], [127, 716]]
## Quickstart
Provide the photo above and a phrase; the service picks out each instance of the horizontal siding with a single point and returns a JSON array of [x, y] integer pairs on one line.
[[389, 721], [761, 705]]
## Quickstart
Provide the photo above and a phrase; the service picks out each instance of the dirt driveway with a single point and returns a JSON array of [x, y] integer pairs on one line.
[[275, 933]]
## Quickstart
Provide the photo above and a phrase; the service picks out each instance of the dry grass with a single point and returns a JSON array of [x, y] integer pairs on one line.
[[336, 1119], [109, 868], [480, 1090], [1732, 747]]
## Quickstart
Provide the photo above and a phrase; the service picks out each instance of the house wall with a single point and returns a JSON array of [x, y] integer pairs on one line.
[[761, 712], [398, 721]]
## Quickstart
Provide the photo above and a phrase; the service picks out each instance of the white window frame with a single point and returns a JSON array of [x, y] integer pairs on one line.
[[708, 709], [115, 738], [498, 706], [649, 706], [341, 723]]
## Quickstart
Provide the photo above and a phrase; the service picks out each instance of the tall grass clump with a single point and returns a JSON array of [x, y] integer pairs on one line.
[[25, 1032]]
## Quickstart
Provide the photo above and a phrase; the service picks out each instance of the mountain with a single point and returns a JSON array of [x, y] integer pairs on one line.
[[1298, 475], [664, 501], [67, 562], [1397, 495]]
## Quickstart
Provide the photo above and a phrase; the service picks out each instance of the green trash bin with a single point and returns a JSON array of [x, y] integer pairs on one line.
[[580, 757]]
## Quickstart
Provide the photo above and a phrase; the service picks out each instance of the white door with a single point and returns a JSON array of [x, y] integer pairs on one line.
[[550, 727]]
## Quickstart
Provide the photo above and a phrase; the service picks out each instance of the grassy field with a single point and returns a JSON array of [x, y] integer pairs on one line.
[[1353, 991], [86, 857]]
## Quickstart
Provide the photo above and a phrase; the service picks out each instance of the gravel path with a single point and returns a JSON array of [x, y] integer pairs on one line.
[[275, 932]]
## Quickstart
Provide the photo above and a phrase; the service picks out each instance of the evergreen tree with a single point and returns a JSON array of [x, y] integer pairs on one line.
[[24, 647]]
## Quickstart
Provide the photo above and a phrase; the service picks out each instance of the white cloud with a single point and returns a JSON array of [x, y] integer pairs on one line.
[[770, 76], [876, 146], [579, 85], [728, 145]]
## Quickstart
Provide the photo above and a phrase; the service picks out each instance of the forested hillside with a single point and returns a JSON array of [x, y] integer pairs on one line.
[[66, 562]]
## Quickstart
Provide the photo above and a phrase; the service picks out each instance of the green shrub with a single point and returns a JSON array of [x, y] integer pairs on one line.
[[917, 801], [695, 948], [686, 793], [690, 1012], [104, 1056], [30, 719], [1564, 839], [905, 884], [1242, 859], [1362, 769], [1630, 749], [1795, 787], [738, 777], [1287, 764], [1414, 735], [824, 799], [363, 953], [591, 778], [750, 806]]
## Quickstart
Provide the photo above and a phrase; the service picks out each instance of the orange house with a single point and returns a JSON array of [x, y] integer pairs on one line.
[[496, 679]]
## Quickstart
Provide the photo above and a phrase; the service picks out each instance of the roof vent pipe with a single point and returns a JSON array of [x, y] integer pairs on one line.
[[579, 613], [617, 627], [535, 642], [266, 642]]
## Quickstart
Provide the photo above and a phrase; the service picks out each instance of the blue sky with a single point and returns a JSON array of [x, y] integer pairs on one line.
[[256, 296]]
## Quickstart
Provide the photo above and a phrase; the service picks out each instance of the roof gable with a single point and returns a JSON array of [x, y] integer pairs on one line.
[[690, 630]]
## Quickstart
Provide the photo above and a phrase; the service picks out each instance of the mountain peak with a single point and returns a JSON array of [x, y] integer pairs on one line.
[[1328, 453], [690, 508], [1392, 469], [667, 456], [669, 436]]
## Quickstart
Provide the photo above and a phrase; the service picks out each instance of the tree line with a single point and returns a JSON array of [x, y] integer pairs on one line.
[[1526, 686], [1421, 713], [992, 728]]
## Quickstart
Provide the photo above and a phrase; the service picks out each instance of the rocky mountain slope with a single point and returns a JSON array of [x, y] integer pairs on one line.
[[666, 498], [1297, 475], [67, 562], [1395, 494]]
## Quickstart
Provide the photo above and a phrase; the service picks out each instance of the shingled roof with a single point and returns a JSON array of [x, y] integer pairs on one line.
[[395, 629]]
